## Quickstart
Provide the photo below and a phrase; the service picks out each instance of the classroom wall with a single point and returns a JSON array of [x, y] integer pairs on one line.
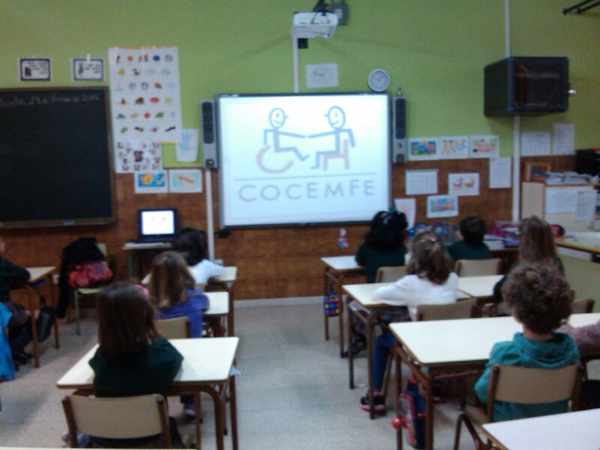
[[435, 52]]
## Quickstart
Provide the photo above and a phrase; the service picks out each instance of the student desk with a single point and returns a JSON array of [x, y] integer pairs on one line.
[[206, 368], [481, 287], [336, 269], [136, 249], [587, 244], [367, 308], [39, 276], [226, 281], [453, 348], [558, 431]]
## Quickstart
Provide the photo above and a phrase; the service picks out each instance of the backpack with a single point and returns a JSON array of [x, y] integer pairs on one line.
[[412, 419], [90, 274], [331, 304]]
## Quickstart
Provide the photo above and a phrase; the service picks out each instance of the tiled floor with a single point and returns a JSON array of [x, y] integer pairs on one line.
[[293, 391]]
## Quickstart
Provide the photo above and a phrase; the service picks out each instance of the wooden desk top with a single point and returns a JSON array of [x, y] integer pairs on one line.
[[341, 263], [578, 430], [228, 277], [218, 304], [479, 287], [463, 340], [205, 360], [365, 294], [38, 273], [589, 246]]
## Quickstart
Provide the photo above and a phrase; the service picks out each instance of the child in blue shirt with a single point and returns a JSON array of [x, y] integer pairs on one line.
[[173, 292], [540, 299]]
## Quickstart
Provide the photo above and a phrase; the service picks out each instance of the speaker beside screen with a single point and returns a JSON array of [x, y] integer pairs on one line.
[[209, 133], [399, 130]]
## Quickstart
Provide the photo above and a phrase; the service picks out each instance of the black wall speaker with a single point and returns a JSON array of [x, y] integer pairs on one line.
[[209, 133], [399, 130]]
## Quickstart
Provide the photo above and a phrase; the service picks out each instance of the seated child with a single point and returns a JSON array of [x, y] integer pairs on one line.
[[383, 244], [429, 280], [471, 231], [132, 358], [19, 327], [192, 244], [173, 293], [540, 299]]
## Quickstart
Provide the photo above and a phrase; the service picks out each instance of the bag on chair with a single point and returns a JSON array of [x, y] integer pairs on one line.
[[90, 274]]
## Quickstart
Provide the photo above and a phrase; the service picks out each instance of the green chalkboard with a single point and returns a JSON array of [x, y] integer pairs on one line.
[[55, 159]]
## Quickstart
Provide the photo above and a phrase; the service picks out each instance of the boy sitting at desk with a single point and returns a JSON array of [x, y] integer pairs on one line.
[[472, 231], [12, 277]]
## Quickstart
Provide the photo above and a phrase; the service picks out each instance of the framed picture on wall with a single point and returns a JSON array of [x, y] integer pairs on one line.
[[537, 171], [88, 69], [35, 69]]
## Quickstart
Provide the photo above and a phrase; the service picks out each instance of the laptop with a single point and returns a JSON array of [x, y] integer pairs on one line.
[[156, 225]]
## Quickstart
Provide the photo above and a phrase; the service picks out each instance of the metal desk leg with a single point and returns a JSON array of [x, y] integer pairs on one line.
[[219, 404], [231, 315], [340, 299], [233, 412], [350, 355], [399, 441], [429, 414], [325, 295], [370, 327]]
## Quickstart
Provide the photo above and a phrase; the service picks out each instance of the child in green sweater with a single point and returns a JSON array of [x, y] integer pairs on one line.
[[540, 299]]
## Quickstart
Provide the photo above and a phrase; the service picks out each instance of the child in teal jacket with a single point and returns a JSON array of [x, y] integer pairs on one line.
[[540, 299]]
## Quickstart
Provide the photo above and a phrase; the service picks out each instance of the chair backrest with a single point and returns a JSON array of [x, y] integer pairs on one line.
[[477, 267], [390, 273], [462, 309], [117, 418], [526, 385], [582, 306], [178, 328]]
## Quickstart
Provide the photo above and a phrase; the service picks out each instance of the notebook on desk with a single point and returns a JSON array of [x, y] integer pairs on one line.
[[156, 225]]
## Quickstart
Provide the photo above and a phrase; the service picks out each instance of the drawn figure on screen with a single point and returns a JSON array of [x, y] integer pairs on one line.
[[337, 119], [277, 119]]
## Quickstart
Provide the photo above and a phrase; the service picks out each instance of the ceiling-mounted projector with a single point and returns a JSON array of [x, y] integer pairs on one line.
[[308, 25]]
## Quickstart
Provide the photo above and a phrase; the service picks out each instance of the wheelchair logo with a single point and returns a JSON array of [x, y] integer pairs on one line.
[[330, 145]]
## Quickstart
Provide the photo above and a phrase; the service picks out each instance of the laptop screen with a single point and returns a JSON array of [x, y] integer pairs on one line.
[[157, 223]]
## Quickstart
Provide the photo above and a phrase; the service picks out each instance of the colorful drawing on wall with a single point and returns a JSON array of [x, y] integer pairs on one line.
[[422, 149], [151, 182], [145, 95], [485, 146], [137, 156], [453, 147], [35, 69], [463, 184], [88, 69], [442, 206], [185, 181]]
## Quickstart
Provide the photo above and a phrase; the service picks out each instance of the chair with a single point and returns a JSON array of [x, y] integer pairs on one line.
[[178, 328], [117, 418], [463, 309], [389, 273], [477, 267], [519, 385], [582, 306], [79, 292]]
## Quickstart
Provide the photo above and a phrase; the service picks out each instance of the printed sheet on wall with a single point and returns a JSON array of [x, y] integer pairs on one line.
[[145, 105]]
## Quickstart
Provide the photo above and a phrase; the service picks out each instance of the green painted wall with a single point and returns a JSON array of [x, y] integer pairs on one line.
[[435, 50]]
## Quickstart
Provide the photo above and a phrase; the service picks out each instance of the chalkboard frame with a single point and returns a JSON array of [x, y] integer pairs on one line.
[[21, 224]]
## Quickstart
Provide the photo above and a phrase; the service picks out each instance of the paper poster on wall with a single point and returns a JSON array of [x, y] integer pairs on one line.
[[463, 184], [185, 181], [586, 206], [500, 173], [145, 94], [321, 76], [153, 182], [137, 156], [421, 182], [442, 206], [420, 149], [484, 146], [187, 149], [535, 143], [408, 206], [87, 69], [563, 142], [453, 147]]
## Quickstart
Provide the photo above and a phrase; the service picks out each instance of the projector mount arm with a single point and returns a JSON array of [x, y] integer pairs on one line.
[[581, 7]]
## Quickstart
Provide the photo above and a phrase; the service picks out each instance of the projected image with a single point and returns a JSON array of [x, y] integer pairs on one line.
[[303, 159], [340, 139]]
